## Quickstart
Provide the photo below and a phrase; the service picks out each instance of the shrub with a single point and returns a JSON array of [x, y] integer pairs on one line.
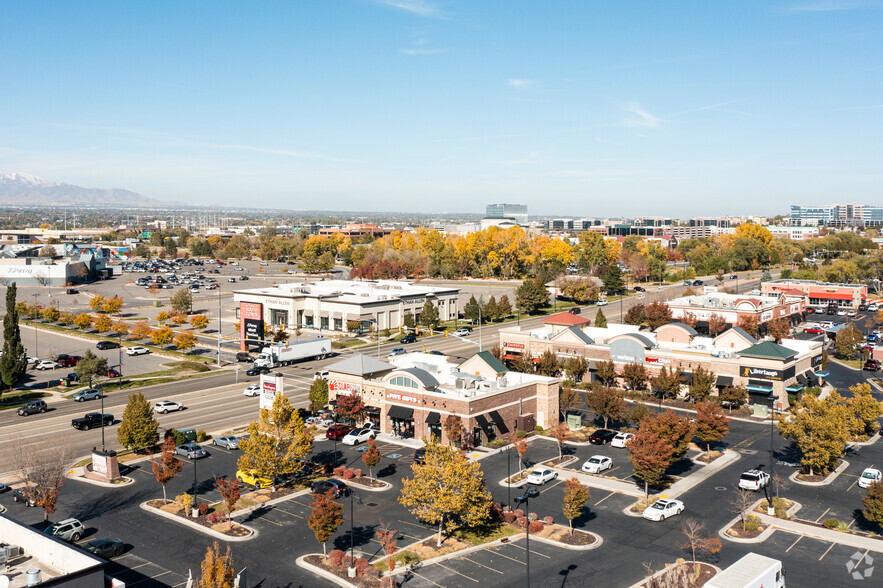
[[509, 517], [835, 524], [327, 469], [335, 558], [201, 436], [532, 517], [215, 517], [521, 434], [185, 500], [519, 513], [348, 474], [202, 507], [357, 472], [521, 522], [361, 565], [752, 523], [538, 429], [536, 526], [779, 506], [496, 512], [339, 470], [549, 520], [180, 439]]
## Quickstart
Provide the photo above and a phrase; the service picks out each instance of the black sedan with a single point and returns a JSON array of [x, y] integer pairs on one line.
[[336, 487], [257, 370], [409, 338], [602, 437], [3, 488], [640, 289], [104, 548]]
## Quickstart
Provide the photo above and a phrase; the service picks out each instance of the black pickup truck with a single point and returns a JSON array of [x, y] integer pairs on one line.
[[92, 419]]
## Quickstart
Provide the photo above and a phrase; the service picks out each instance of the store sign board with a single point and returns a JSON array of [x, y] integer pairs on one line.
[[271, 386], [399, 397], [345, 388], [513, 345]]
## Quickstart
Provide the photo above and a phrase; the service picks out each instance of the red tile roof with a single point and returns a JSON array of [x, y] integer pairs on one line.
[[566, 319]]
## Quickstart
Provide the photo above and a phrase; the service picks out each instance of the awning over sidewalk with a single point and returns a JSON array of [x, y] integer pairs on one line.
[[724, 382], [400, 412], [761, 386], [484, 424]]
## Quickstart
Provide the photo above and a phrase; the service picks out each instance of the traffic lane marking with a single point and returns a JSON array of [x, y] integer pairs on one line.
[[557, 482], [532, 551]]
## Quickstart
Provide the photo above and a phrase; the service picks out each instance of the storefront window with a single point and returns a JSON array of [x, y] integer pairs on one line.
[[476, 436], [308, 321], [323, 322], [338, 324], [403, 428]]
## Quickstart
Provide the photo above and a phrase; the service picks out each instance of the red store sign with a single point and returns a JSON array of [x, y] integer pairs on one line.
[[513, 345], [402, 397]]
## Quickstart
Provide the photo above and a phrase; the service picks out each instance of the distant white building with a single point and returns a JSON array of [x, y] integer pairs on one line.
[[794, 233], [331, 304]]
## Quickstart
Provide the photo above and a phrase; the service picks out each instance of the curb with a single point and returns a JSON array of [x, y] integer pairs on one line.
[[643, 582], [78, 478], [765, 534], [274, 501], [597, 543], [198, 527], [303, 563], [870, 441], [830, 479], [363, 488]]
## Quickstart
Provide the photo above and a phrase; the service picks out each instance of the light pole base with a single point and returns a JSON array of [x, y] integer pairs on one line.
[[771, 511], [351, 572]]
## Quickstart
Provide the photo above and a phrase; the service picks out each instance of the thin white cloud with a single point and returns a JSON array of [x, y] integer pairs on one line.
[[593, 173], [530, 158], [832, 6], [423, 51], [418, 7], [641, 117], [518, 83]]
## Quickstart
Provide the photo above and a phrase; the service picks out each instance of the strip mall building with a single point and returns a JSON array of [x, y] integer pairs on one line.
[[820, 293], [768, 370], [411, 395]]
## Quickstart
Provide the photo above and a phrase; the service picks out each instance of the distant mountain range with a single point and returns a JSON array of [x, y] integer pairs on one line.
[[28, 190]]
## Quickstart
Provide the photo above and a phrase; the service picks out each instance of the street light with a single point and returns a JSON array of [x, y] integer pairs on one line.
[[36, 330], [353, 498], [219, 326], [772, 460], [525, 498]]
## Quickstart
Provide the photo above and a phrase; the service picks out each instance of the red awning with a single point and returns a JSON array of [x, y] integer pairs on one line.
[[511, 357], [832, 295], [536, 360]]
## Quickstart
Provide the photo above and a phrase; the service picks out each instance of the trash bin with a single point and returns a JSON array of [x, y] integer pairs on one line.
[[33, 576]]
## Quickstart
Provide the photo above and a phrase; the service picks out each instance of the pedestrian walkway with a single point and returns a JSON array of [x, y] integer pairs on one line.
[[830, 535]]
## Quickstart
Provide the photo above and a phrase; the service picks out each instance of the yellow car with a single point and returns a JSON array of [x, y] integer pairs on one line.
[[252, 479]]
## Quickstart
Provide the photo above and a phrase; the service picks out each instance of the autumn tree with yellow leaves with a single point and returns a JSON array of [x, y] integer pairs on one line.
[[276, 442]]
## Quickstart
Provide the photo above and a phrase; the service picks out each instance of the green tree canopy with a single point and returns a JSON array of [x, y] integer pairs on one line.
[[139, 428]]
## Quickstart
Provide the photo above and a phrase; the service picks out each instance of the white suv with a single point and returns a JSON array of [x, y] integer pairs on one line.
[[68, 529], [754, 480]]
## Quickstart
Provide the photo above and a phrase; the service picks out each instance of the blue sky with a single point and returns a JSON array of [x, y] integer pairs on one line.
[[590, 108]]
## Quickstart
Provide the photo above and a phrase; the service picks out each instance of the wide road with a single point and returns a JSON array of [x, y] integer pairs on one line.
[[215, 401]]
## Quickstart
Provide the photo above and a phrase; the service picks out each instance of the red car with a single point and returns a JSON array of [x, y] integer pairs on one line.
[[814, 331], [111, 373], [337, 431], [64, 360]]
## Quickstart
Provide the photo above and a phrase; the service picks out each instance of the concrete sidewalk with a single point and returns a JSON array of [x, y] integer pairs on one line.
[[830, 535], [706, 471], [599, 482]]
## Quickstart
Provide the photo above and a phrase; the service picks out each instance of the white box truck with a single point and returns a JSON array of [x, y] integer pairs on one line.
[[752, 571], [278, 354]]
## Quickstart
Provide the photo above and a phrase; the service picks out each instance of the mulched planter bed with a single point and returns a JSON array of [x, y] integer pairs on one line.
[[561, 534], [234, 530], [366, 481], [706, 573], [559, 460], [341, 572], [849, 531], [736, 531], [704, 458], [818, 478]]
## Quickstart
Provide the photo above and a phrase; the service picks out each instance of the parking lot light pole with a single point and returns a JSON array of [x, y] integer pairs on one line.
[[353, 498], [525, 499], [219, 326], [772, 459]]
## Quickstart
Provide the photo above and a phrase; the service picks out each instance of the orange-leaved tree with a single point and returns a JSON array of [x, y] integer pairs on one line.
[[229, 490], [168, 467], [326, 518], [371, 457]]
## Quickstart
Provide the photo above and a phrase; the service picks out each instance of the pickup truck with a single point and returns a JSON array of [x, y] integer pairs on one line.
[[92, 419]]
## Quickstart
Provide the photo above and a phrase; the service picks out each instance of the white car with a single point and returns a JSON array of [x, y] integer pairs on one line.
[[597, 464], [663, 508], [621, 439], [462, 332], [164, 406], [540, 476], [868, 477], [753, 480], [46, 364], [357, 436], [850, 313], [31, 360], [137, 350], [253, 390], [601, 302]]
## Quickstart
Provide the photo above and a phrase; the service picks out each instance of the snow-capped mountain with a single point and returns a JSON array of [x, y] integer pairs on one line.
[[25, 189]]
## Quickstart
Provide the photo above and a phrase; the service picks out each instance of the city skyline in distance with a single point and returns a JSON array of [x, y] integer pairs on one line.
[[413, 105]]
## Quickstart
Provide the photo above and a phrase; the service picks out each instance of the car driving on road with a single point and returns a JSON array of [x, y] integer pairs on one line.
[[253, 390], [164, 406], [137, 350], [90, 394]]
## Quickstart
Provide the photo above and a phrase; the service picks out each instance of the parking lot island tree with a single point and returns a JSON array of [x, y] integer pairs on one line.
[[650, 455], [667, 382], [182, 301], [168, 467], [520, 446], [371, 457], [350, 407], [162, 336], [873, 503], [711, 424], [635, 376], [217, 568], [698, 541], [448, 487], [102, 323], [230, 493], [90, 367], [674, 428], [820, 429], [120, 328], [866, 408], [43, 468], [140, 330], [560, 433], [575, 497], [847, 341], [199, 321], [138, 429], [702, 385], [605, 371], [112, 305], [83, 321], [277, 442], [13, 362], [607, 403], [184, 341], [96, 302], [318, 394], [325, 519]]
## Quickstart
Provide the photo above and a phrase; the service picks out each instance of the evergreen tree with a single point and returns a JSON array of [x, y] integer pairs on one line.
[[491, 310], [471, 311], [14, 361], [504, 307], [429, 315], [612, 279], [600, 319], [531, 296], [318, 394], [139, 428]]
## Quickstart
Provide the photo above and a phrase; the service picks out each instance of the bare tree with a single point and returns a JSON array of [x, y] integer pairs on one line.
[[674, 576], [698, 541], [42, 467], [741, 503]]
